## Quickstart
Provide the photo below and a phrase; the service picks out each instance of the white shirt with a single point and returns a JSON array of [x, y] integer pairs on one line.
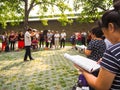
[[37, 35], [27, 38], [107, 42], [63, 35], [57, 36]]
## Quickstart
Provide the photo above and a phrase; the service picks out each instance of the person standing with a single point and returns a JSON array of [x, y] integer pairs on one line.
[[57, 38], [78, 38], [49, 38], [27, 40], [21, 40], [12, 38], [88, 37], [41, 40], [73, 40], [52, 40], [4, 39], [83, 37], [62, 39]]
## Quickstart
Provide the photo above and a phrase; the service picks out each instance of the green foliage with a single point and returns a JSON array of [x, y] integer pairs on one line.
[[44, 22], [62, 6], [64, 20], [13, 10], [10, 11], [92, 10]]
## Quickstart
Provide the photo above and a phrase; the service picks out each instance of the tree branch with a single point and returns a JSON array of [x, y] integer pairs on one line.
[[102, 8], [44, 2], [31, 5], [98, 6], [22, 0]]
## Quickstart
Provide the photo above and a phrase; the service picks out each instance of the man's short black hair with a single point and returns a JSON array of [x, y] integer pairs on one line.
[[29, 29]]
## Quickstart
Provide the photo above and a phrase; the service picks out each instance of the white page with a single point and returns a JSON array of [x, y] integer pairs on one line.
[[81, 46], [83, 62]]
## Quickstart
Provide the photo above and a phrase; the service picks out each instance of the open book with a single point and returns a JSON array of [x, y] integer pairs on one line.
[[85, 63], [81, 46]]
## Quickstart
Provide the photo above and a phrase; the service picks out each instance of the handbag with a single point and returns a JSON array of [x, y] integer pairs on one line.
[[81, 83]]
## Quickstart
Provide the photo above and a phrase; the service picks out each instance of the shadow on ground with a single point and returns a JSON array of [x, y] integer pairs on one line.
[[49, 71]]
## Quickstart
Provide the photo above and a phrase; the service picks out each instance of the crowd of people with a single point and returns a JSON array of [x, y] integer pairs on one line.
[[104, 50], [80, 38], [42, 39]]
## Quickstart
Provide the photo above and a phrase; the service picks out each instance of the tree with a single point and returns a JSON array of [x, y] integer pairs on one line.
[[92, 9], [17, 9], [10, 10]]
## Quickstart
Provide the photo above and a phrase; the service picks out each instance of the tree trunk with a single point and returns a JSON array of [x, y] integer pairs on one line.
[[27, 11], [26, 15]]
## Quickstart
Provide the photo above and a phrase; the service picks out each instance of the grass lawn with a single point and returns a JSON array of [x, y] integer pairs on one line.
[[49, 71]]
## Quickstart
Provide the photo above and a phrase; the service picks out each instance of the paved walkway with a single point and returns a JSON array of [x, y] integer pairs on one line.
[[49, 71]]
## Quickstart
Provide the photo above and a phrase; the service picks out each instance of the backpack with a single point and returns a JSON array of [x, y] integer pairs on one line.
[[81, 83]]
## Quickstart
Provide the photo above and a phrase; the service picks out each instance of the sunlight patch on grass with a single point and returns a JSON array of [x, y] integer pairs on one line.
[[49, 71]]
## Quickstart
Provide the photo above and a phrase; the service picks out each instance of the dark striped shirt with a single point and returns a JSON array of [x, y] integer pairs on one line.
[[111, 62]]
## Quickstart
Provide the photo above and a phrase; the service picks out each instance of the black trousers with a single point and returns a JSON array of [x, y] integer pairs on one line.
[[27, 52], [12, 45], [47, 44], [62, 43], [83, 41], [41, 43]]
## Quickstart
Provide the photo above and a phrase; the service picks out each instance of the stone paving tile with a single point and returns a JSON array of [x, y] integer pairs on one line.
[[49, 71]]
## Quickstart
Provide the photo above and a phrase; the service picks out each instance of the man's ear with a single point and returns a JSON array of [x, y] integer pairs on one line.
[[111, 27]]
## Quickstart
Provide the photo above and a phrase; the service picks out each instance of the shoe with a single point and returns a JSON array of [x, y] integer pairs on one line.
[[26, 60], [31, 59]]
